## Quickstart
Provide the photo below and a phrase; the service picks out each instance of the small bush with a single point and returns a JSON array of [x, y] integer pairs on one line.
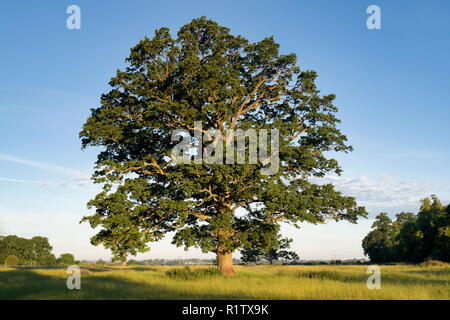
[[12, 261], [100, 262], [312, 263], [433, 263], [187, 273], [320, 275]]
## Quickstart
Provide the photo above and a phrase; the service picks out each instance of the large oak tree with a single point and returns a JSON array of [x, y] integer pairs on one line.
[[207, 74]]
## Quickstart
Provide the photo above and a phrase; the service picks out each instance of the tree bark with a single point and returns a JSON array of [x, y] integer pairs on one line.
[[225, 262]]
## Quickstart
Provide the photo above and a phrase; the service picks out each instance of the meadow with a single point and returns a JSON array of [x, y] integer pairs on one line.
[[250, 282]]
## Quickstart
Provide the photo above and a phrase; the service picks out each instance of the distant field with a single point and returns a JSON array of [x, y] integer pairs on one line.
[[250, 282]]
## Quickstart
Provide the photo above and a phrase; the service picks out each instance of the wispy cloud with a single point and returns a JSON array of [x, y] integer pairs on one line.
[[40, 165], [20, 180], [77, 178], [381, 192]]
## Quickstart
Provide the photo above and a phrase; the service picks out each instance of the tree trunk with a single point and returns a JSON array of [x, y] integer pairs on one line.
[[124, 261], [225, 262]]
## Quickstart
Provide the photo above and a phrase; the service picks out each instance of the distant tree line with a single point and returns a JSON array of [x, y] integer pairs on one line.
[[334, 262], [170, 262], [411, 238], [270, 253], [36, 251]]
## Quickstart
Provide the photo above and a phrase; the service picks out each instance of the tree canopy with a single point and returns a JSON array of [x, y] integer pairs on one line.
[[208, 75], [34, 251], [411, 238], [66, 259], [270, 254]]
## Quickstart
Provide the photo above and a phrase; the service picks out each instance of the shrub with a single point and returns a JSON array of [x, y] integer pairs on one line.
[[433, 263], [12, 261], [66, 259], [187, 273], [100, 262], [320, 275]]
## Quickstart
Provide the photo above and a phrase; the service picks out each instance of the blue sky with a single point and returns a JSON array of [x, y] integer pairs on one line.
[[391, 84]]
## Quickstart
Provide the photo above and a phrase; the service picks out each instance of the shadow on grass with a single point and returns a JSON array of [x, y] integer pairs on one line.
[[145, 268], [91, 269], [32, 284], [410, 278], [26, 284]]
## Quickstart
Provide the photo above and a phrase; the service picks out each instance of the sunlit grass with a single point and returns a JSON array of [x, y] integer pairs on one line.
[[250, 282]]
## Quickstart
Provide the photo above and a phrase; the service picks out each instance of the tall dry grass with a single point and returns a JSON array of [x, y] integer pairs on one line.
[[250, 282]]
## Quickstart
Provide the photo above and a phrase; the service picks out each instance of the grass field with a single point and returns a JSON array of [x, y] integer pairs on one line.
[[250, 282]]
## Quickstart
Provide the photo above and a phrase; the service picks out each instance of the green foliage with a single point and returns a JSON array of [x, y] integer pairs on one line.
[[411, 238], [66, 259], [320, 275], [314, 263], [101, 262], [433, 225], [30, 252], [187, 273], [11, 261], [207, 74], [380, 243], [270, 253]]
